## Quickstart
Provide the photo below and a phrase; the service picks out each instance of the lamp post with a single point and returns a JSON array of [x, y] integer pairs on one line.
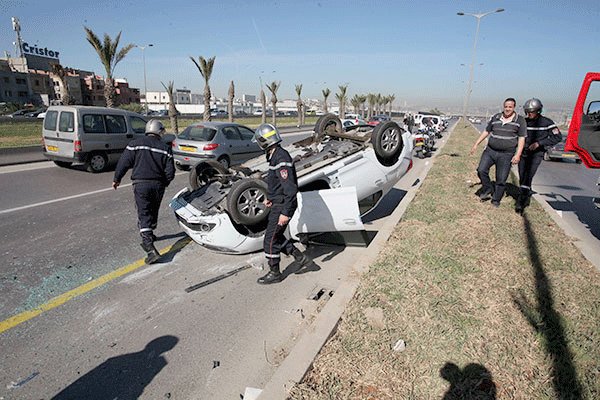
[[144, 62], [468, 93]]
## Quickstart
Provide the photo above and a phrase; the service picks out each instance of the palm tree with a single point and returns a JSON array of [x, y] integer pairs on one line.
[[326, 92], [363, 99], [273, 87], [355, 101], [172, 110], [61, 73], [231, 94], [378, 102], [206, 68], [109, 57], [371, 98], [341, 96], [299, 105], [391, 99], [263, 102]]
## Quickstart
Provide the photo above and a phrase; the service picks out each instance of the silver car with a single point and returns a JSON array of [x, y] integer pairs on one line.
[[226, 142]]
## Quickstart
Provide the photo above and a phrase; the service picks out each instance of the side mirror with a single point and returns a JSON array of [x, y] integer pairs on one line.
[[593, 107], [168, 138]]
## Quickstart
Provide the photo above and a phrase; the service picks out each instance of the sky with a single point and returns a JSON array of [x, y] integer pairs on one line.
[[419, 51]]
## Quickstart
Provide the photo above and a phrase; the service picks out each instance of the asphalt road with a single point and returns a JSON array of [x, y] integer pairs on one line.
[[141, 335]]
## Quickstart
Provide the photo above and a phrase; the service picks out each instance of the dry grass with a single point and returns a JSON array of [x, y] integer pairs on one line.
[[489, 303]]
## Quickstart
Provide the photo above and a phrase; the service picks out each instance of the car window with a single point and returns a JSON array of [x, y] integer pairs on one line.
[[246, 133], [93, 123], [230, 133], [137, 124], [66, 122], [50, 120], [201, 133], [115, 124]]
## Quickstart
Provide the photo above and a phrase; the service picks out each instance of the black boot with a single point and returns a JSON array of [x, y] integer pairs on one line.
[[273, 276], [300, 257], [152, 254]]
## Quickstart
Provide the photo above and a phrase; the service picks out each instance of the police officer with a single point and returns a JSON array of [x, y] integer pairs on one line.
[[542, 133], [153, 170], [281, 199]]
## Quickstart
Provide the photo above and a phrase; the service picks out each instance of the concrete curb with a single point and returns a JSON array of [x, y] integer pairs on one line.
[[302, 355]]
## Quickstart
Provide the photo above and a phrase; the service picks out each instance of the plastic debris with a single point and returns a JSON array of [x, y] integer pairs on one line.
[[251, 393], [400, 345], [14, 385]]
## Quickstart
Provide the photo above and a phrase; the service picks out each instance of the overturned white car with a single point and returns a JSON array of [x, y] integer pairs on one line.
[[342, 174]]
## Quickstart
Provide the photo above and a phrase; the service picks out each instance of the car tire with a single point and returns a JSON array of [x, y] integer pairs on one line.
[[322, 123], [224, 161], [96, 163], [63, 164], [387, 142], [205, 172], [245, 201]]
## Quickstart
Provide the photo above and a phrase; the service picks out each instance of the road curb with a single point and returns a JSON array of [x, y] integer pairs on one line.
[[302, 355]]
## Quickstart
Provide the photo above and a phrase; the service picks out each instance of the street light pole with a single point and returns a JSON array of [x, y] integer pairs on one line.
[[144, 62], [468, 93]]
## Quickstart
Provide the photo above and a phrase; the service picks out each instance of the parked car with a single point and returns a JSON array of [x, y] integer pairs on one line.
[[94, 136], [219, 113], [20, 113], [558, 152], [342, 174], [377, 119], [353, 121], [35, 113], [228, 143]]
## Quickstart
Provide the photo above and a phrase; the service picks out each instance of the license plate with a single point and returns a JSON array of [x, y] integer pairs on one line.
[[188, 148], [52, 148]]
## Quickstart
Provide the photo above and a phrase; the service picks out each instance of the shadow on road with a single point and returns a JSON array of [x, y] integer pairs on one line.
[[582, 206], [547, 322], [123, 377]]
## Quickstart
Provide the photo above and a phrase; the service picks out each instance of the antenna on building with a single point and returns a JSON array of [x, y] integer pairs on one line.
[[16, 25]]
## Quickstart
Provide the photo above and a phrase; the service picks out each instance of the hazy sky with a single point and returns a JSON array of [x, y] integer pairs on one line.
[[413, 49]]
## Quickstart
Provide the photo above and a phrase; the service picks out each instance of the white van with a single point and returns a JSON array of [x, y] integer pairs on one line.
[[94, 136]]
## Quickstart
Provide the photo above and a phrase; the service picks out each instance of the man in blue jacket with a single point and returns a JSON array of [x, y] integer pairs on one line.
[[153, 169], [542, 133], [281, 199]]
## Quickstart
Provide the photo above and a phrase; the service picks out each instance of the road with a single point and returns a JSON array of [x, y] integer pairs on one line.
[[141, 335]]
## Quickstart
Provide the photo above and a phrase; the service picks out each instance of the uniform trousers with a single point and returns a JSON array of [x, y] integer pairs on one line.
[[148, 196]]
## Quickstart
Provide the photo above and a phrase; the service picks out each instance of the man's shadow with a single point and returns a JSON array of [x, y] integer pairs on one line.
[[123, 377], [472, 382]]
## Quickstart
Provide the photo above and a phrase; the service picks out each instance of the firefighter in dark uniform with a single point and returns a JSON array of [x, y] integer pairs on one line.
[[153, 169], [542, 133], [281, 199]]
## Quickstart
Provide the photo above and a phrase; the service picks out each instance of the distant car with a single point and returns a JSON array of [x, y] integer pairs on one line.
[[225, 142], [41, 115], [377, 119], [20, 113], [258, 111], [35, 113], [353, 121], [342, 174], [162, 113], [219, 113], [558, 152]]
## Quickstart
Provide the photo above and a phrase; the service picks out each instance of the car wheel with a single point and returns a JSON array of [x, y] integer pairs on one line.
[[245, 201], [224, 161], [323, 122], [205, 172], [387, 142], [97, 162], [63, 164]]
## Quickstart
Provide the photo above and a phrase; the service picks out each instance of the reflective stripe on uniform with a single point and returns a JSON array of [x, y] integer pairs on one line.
[[145, 230], [541, 128], [267, 255], [503, 137], [131, 148], [283, 164]]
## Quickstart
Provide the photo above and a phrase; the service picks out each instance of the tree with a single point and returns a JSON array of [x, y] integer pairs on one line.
[[299, 105], [109, 57], [206, 68], [273, 87], [378, 102], [371, 99], [355, 101], [363, 99], [341, 96], [61, 73], [326, 92], [172, 110], [391, 99], [263, 101], [231, 94]]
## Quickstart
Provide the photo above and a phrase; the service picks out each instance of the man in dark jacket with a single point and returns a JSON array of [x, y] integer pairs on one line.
[[542, 133], [507, 131], [153, 169], [281, 199]]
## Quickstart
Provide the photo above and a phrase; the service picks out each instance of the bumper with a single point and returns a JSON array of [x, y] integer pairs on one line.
[[77, 157]]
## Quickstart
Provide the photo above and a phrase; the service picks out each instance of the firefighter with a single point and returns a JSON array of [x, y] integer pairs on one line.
[[153, 169], [542, 133], [281, 199]]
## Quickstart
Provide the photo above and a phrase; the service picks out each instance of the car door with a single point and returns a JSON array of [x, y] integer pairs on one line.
[[233, 144], [251, 149], [584, 130], [321, 211]]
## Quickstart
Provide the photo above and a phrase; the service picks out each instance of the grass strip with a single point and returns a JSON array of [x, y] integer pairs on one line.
[[490, 304]]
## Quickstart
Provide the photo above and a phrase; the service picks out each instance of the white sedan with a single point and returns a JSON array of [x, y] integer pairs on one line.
[[342, 174]]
